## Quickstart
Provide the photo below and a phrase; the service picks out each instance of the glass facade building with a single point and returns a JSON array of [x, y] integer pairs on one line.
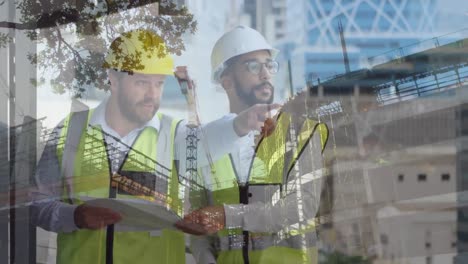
[[370, 29]]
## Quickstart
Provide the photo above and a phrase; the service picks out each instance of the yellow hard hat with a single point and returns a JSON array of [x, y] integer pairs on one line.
[[139, 51]]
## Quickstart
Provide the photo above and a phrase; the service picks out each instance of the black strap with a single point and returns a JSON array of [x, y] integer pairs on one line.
[[244, 199], [110, 228], [110, 233], [110, 244]]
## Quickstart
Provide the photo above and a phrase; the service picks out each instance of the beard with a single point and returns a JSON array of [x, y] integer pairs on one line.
[[129, 109], [249, 98]]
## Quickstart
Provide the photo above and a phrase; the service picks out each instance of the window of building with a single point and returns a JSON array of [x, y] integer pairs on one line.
[[401, 177], [384, 239], [428, 260], [445, 177], [422, 177]]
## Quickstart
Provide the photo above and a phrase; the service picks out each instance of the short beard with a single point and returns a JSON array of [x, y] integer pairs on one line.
[[249, 98], [128, 108]]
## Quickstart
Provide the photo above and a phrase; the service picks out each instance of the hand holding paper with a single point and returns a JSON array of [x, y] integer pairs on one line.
[[92, 217], [137, 215], [203, 221]]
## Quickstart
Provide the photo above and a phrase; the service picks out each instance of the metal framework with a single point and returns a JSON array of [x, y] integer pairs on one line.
[[385, 17]]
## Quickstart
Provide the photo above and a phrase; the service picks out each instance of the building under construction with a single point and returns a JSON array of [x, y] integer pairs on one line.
[[396, 189]]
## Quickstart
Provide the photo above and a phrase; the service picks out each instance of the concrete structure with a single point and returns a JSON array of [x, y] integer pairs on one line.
[[397, 183], [268, 17]]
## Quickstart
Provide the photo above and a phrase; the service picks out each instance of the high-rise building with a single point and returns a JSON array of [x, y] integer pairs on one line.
[[370, 28], [268, 17]]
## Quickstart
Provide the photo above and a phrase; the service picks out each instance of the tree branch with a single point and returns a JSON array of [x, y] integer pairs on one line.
[[20, 26], [73, 50]]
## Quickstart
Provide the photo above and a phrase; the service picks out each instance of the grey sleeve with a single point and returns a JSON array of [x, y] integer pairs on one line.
[[48, 212]]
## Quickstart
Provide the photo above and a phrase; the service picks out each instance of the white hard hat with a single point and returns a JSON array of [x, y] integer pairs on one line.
[[236, 42]]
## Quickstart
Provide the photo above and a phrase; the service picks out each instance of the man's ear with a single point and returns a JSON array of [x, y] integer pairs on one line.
[[227, 83], [113, 79]]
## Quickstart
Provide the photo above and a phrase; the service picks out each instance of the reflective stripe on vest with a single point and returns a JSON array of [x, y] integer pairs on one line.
[[266, 177], [261, 242], [151, 154]]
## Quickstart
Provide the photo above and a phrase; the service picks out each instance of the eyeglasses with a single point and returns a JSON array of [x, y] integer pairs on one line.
[[255, 67]]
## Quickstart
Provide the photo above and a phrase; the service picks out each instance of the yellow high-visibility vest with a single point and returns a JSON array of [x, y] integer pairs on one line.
[[267, 173], [91, 178]]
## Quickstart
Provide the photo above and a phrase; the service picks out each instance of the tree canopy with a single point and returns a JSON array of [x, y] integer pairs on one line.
[[73, 36]]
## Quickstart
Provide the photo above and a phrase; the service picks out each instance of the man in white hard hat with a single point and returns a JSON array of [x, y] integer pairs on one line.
[[125, 139], [255, 191]]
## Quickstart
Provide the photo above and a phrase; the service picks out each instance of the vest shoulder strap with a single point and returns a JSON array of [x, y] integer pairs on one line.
[[76, 124], [166, 137]]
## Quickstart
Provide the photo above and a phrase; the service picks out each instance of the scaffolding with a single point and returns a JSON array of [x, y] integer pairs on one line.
[[376, 115], [149, 184]]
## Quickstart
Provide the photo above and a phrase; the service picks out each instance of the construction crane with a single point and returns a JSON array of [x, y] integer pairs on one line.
[[188, 89]]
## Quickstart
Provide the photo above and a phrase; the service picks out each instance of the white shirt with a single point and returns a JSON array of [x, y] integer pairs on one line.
[[56, 216], [242, 157]]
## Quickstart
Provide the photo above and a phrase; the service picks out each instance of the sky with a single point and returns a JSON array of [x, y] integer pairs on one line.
[[211, 17]]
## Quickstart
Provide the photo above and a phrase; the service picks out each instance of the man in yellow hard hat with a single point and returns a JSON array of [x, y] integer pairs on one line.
[[264, 195], [125, 149]]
